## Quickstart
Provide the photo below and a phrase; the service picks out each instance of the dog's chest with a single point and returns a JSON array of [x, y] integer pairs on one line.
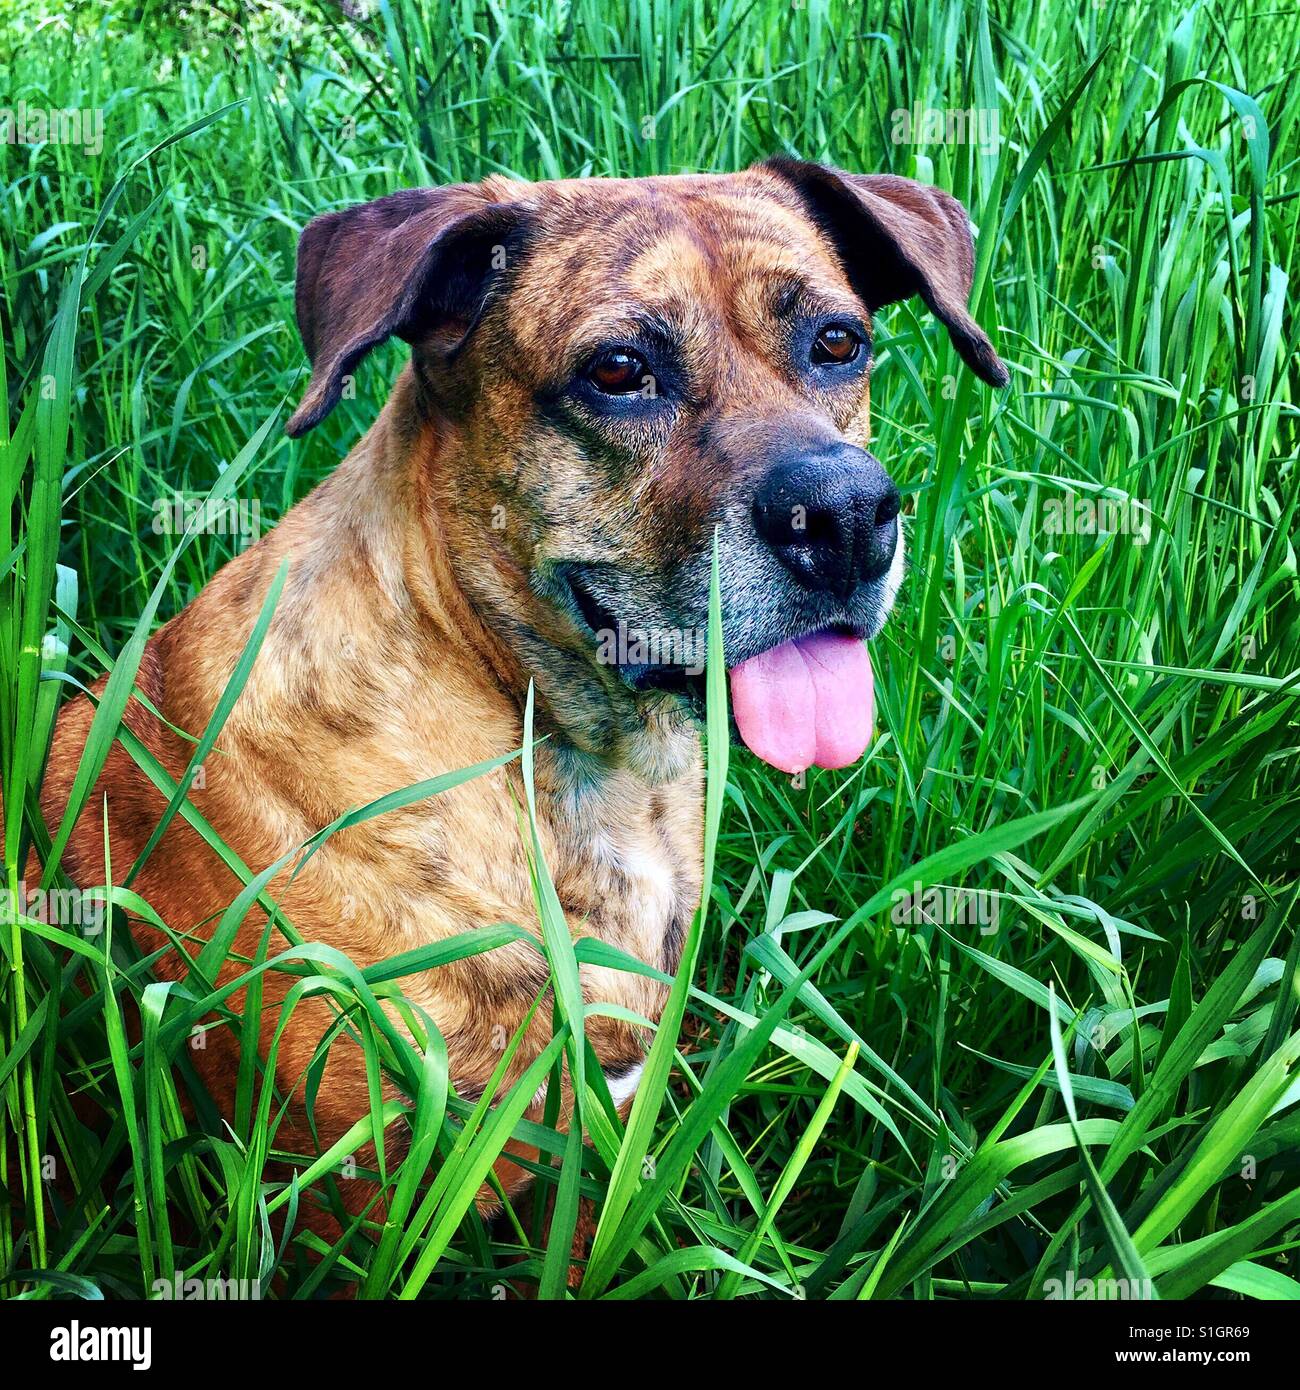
[[627, 868], [627, 888]]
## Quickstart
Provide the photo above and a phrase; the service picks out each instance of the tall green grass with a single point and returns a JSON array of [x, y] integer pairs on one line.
[[1094, 735]]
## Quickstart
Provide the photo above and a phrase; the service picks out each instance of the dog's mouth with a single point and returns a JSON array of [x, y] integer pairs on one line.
[[804, 701]]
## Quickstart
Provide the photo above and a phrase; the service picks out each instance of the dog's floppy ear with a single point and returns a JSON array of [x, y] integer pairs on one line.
[[898, 238], [409, 264]]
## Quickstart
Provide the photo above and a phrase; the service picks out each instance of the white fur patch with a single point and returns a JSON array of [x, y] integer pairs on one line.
[[623, 1087], [652, 871], [894, 579]]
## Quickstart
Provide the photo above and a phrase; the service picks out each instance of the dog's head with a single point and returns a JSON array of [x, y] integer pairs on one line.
[[618, 367]]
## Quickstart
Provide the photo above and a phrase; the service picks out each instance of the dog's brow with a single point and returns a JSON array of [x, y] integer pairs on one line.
[[629, 325], [791, 295], [787, 297]]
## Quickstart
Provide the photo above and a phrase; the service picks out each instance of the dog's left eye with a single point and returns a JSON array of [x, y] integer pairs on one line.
[[617, 372], [836, 345]]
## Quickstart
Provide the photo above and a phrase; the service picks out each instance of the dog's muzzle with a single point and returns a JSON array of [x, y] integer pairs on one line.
[[814, 558]]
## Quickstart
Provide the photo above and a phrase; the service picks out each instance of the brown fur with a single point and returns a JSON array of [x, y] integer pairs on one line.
[[410, 624]]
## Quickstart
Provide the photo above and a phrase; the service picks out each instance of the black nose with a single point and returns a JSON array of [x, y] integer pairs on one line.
[[831, 518]]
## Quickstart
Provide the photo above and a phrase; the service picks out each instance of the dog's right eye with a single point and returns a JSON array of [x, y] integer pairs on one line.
[[617, 372], [835, 346]]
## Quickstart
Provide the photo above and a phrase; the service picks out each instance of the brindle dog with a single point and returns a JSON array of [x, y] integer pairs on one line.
[[603, 372]]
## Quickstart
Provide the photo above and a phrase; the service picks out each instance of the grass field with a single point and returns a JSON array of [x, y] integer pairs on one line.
[[1087, 1065]]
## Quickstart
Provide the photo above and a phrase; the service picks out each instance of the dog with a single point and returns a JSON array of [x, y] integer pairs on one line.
[[604, 374]]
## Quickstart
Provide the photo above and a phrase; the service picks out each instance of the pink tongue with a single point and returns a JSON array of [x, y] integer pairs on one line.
[[805, 702]]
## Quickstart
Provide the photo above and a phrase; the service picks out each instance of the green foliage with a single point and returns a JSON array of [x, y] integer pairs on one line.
[[868, 1086]]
